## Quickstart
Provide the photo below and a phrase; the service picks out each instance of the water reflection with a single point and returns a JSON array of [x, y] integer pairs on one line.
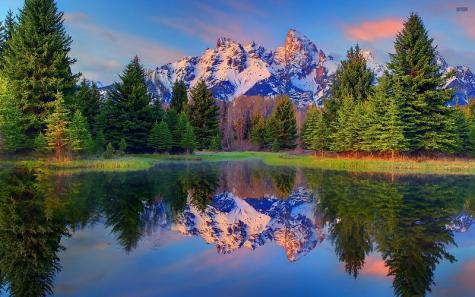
[[409, 220]]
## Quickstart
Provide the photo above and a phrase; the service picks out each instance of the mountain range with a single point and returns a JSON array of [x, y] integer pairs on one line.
[[230, 222], [298, 68]]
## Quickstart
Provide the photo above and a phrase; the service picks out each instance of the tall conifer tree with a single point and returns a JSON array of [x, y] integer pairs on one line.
[[128, 110], [179, 97], [417, 84], [36, 62], [204, 114], [283, 123]]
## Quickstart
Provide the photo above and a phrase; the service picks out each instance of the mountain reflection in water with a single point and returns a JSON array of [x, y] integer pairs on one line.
[[410, 221]]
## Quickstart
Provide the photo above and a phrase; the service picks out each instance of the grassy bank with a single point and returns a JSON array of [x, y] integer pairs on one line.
[[439, 166], [145, 161]]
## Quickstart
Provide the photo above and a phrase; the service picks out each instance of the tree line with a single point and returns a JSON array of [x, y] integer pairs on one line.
[[406, 112]]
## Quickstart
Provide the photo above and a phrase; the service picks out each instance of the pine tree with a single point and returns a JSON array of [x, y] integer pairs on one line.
[[343, 139], [171, 118], [216, 143], [464, 143], [257, 135], [283, 123], [88, 100], [99, 142], [128, 112], [391, 138], [188, 141], [309, 126], [417, 84], [122, 147], [40, 145], [180, 130], [353, 78], [79, 138], [36, 62], [315, 134], [160, 138], [203, 114], [57, 128], [11, 121], [179, 97], [109, 152], [10, 25]]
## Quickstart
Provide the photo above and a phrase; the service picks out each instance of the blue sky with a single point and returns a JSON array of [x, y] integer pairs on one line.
[[107, 33]]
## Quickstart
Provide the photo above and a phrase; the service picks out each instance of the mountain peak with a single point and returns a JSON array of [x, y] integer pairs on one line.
[[225, 42]]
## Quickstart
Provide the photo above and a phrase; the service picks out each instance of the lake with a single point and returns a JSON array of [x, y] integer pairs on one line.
[[235, 229]]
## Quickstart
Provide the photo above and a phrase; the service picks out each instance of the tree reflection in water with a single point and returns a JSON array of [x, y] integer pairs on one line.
[[405, 219]]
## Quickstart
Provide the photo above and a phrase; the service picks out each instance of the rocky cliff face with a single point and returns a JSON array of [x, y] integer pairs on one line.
[[297, 68]]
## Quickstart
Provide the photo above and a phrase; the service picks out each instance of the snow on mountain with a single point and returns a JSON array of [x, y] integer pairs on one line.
[[231, 223], [297, 68]]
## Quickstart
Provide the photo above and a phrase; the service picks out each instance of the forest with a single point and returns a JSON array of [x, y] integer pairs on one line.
[[46, 110]]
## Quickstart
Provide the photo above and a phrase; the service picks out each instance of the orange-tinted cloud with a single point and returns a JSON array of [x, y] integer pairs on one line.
[[374, 266], [374, 30], [466, 278]]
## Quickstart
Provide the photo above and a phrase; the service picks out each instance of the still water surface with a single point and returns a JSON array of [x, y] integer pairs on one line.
[[235, 229]]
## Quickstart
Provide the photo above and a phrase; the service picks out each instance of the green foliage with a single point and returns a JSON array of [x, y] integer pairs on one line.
[[122, 145], [353, 79], [179, 98], [282, 124], [109, 152], [417, 87], [11, 121], [160, 138], [315, 134], [36, 62], [88, 100], [40, 146], [258, 131], [128, 112], [57, 134], [79, 138], [345, 130], [99, 142], [216, 143], [171, 118], [188, 140], [203, 114]]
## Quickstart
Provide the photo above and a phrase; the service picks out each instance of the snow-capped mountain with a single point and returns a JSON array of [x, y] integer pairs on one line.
[[231, 223], [298, 68]]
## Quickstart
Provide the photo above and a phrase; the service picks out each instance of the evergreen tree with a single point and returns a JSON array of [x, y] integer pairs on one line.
[[188, 141], [257, 135], [179, 97], [11, 121], [353, 78], [122, 147], [462, 125], [180, 129], [343, 139], [283, 123], [36, 62], [88, 101], [216, 143], [99, 142], [79, 138], [391, 138], [204, 114], [10, 25], [171, 118], [417, 85], [109, 152], [128, 112], [315, 134], [160, 138], [40, 145], [57, 128]]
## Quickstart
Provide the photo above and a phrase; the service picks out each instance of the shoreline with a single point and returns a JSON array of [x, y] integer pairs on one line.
[[444, 166]]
